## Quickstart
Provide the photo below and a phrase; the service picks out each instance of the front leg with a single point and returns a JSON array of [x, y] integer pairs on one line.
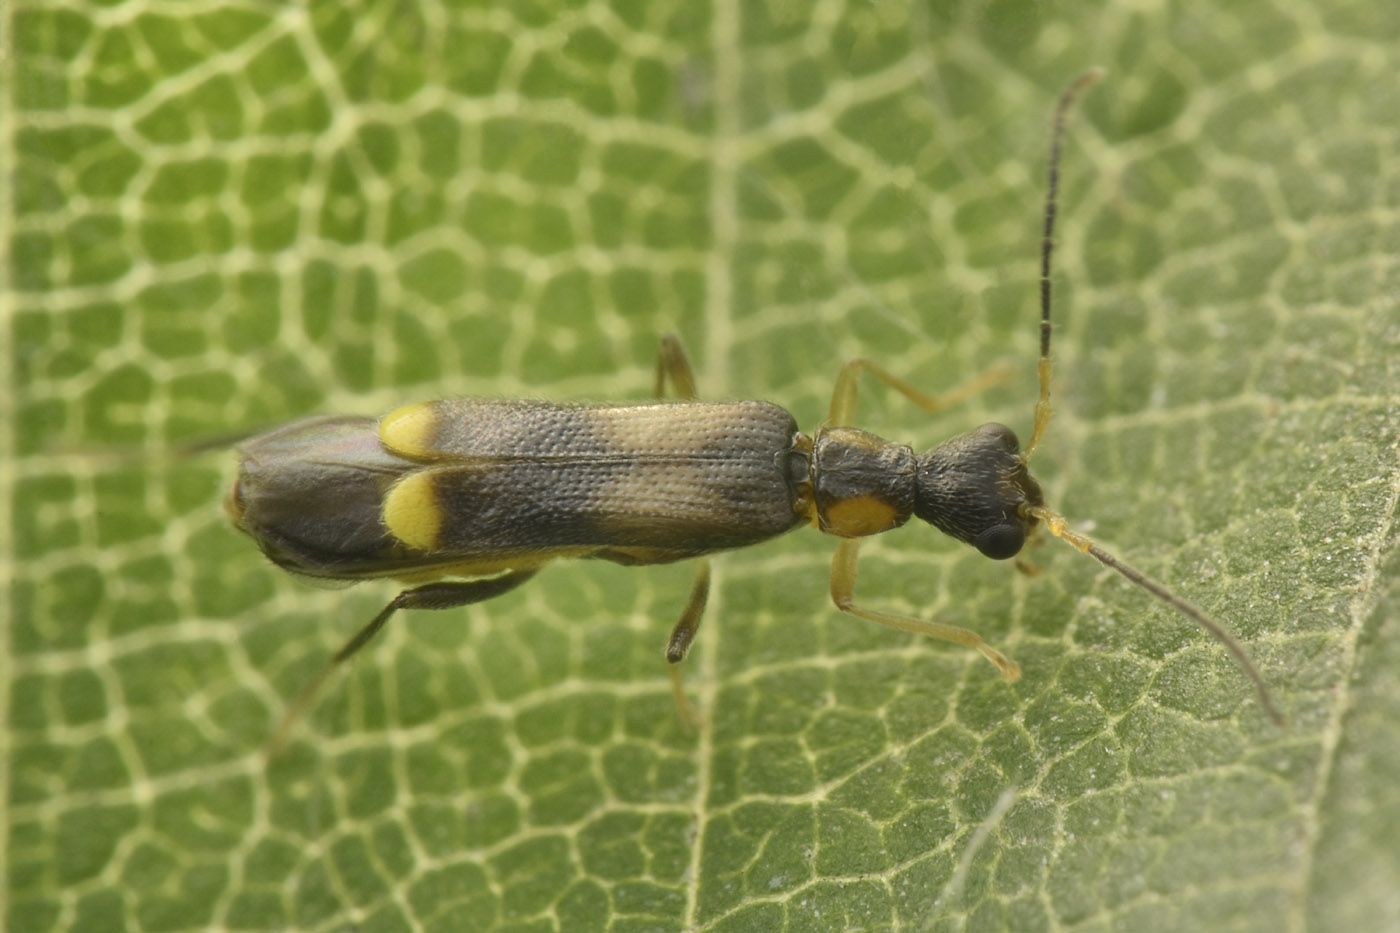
[[843, 397], [843, 590]]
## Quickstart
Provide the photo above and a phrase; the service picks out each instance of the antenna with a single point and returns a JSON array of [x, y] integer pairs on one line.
[[1047, 250], [1054, 522]]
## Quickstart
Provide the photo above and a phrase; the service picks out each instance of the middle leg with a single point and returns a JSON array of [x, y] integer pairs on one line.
[[672, 364]]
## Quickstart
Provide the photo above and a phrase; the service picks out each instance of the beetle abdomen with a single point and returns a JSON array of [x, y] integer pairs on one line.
[[310, 494]]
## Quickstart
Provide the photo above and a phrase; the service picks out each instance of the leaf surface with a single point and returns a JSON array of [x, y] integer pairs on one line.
[[226, 217]]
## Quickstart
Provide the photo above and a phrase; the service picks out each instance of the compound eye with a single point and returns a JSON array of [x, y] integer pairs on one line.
[[1000, 541]]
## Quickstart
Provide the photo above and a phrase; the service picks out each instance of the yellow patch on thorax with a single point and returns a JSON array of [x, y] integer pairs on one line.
[[860, 516]]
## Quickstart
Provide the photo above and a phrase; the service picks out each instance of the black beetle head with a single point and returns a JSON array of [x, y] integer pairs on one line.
[[973, 489]]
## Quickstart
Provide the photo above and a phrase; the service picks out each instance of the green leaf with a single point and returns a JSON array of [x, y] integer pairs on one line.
[[224, 217]]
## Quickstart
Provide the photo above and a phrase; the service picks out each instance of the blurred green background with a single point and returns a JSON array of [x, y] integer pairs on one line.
[[223, 216]]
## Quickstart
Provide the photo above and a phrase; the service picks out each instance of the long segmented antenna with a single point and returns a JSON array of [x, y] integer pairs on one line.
[[1056, 523], [1047, 249], [1057, 527]]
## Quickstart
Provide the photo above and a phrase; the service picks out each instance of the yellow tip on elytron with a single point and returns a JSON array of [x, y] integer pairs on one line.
[[409, 430], [411, 511]]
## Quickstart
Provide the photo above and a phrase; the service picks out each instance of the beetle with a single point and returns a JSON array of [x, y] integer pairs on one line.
[[466, 499]]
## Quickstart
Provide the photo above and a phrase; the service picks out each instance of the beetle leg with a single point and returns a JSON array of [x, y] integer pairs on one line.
[[448, 595], [684, 634], [843, 587], [843, 398], [672, 362]]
